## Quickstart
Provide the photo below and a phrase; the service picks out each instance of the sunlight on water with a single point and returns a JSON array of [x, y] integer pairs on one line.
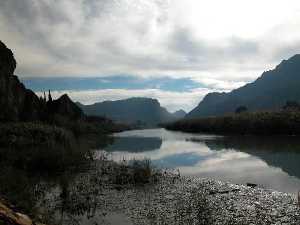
[[268, 162]]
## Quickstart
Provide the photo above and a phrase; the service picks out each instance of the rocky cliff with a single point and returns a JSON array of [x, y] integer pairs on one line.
[[20, 104], [17, 102]]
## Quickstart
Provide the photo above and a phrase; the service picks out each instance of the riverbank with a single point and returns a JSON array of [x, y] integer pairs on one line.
[[285, 122], [119, 194]]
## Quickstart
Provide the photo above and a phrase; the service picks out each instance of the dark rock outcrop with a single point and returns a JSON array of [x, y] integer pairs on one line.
[[20, 104], [17, 103]]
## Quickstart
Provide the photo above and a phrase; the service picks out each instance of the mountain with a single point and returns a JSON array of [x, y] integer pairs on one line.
[[17, 103], [179, 114], [269, 92], [65, 106], [142, 111]]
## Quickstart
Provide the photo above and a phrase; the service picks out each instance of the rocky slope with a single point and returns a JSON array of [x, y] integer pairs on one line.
[[269, 92]]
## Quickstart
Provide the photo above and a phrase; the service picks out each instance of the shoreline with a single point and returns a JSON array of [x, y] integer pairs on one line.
[[206, 201], [178, 200]]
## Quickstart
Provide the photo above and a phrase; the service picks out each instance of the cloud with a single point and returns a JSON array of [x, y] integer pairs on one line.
[[219, 44], [171, 100], [145, 38]]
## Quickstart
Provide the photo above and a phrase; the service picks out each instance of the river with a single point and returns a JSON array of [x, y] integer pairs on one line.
[[270, 162], [39, 181]]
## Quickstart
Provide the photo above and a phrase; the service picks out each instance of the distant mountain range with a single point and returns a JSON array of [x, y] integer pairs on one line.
[[269, 92], [140, 111]]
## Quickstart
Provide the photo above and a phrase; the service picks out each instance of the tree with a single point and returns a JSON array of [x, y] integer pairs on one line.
[[49, 97], [241, 109], [291, 105]]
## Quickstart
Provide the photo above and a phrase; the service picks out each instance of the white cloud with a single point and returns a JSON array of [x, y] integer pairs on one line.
[[88, 37], [221, 42]]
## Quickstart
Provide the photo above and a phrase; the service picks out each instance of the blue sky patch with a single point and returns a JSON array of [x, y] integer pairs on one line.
[[112, 82]]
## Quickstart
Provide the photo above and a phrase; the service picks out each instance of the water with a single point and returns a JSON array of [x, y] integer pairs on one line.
[[45, 182], [270, 162]]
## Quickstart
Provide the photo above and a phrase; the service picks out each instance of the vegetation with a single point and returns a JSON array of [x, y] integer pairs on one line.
[[135, 172], [32, 133], [285, 122]]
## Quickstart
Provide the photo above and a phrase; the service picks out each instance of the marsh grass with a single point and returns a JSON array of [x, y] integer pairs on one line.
[[135, 172], [34, 133], [279, 123]]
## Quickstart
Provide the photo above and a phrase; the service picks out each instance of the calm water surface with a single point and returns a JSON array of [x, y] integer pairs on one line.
[[271, 162]]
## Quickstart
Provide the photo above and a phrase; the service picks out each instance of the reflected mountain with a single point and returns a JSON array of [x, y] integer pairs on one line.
[[281, 152], [134, 144]]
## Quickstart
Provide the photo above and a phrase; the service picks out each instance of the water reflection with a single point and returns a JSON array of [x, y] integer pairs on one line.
[[75, 195], [268, 161], [135, 144]]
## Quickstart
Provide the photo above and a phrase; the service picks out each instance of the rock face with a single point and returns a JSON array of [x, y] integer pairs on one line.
[[146, 111], [271, 91], [17, 103], [9, 216], [20, 104]]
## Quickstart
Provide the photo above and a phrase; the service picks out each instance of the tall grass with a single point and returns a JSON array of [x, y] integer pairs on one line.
[[30, 133], [282, 122]]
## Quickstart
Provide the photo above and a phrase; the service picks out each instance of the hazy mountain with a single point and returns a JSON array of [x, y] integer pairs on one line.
[[269, 92], [144, 111], [179, 114]]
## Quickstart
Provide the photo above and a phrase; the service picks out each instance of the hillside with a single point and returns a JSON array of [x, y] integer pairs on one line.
[[269, 92], [143, 111]]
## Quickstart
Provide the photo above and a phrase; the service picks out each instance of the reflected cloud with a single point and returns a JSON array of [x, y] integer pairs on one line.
[[271, 163], [135, 144]]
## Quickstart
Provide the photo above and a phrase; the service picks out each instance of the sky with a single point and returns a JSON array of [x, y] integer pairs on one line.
[[174, 50]]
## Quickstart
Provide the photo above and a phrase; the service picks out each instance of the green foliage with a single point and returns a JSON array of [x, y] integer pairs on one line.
[[283, 122]]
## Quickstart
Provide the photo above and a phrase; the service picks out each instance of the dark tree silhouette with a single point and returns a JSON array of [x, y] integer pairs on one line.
[[49, 97], [241, 109]]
